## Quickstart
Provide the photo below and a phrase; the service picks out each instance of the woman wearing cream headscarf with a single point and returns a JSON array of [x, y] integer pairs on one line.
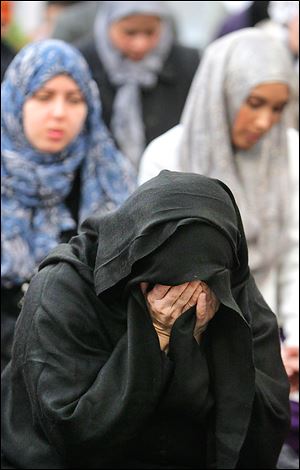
[[235, 127]]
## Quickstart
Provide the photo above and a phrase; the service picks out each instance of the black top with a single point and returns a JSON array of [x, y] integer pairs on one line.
[[7, 55], [88, 386], [162, 105]]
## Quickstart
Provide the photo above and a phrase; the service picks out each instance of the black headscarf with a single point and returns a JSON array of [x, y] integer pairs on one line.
[[154, 212]]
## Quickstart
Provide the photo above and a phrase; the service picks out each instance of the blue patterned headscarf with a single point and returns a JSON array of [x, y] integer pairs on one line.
[[35, 184]]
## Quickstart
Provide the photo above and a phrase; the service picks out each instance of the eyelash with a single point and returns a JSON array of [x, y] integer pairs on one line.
[[259, 105], [48, 97], [133, 33]]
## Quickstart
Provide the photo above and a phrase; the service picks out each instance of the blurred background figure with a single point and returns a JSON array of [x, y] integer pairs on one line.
[[197, 22], [52, 11], [283, 23], [76, 21], [7, 52], [58, 164], [247, 17], [142, 74]]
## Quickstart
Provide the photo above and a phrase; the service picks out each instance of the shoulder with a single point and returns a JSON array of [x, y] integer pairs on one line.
[[188, 56], [161, 154], [293, 149], [86, 45], [167, 142], [58, 294], [185, 51], [293, 138]]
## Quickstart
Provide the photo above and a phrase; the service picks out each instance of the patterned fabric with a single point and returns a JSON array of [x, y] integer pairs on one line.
[[35, 184], [258, 177], [129, 76]]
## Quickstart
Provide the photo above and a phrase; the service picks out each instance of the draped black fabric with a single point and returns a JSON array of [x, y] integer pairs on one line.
[[89, 387]]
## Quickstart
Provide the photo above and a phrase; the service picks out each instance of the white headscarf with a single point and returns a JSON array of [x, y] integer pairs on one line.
[[127, 119], [258, 177]]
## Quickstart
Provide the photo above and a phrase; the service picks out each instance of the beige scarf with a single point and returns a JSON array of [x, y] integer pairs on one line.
[[258, 178]]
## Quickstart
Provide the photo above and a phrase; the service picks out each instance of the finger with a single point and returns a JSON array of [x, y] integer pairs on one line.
[[174, 293], [213, 303], [171, 306], [186, 297], [193, 299], [201, 309], [144, 287], [158, 292], [196, 294]]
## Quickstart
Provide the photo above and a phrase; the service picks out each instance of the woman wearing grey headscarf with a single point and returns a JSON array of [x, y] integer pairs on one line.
[[142, 75], [235, 127]]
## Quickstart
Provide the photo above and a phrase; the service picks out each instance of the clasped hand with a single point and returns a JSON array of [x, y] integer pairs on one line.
[[167, 303]]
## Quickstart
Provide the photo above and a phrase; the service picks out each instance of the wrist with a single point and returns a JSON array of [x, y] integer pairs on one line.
[[198, 332], [163, 336]]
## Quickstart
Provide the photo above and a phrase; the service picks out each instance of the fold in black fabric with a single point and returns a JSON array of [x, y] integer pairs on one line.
[[89, 387]]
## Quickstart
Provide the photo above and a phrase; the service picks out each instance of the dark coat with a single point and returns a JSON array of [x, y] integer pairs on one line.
[[89, 387], [162, 105], [7, 55]]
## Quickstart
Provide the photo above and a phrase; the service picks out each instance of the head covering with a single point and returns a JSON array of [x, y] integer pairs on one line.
[[128, 76], [35, 184], [258, 177], [150, 217]]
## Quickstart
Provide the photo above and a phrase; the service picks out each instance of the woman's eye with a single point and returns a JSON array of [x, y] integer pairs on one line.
[[279, 109], [42, 96], [76, 99], [130, 32], [254, 103]]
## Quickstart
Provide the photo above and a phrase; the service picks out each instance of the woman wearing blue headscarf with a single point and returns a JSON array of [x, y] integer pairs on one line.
[[58, 163]]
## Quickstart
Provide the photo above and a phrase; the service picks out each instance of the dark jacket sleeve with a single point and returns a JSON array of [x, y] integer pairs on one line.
[[86, 385]]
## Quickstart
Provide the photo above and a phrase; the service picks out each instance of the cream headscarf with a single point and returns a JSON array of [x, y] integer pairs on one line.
[[131, 77], [258, 178]]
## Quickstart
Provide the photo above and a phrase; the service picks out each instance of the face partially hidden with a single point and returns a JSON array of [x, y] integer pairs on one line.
[[135, 35], [258, 114], [54, 116]]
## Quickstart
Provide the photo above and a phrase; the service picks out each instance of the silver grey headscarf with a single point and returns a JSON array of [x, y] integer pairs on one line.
[[127, 119], [258, 177]]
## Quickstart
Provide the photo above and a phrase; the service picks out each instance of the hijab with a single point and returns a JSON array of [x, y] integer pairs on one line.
[[35, 184], [148, 220], [258, 177], [130, 77]]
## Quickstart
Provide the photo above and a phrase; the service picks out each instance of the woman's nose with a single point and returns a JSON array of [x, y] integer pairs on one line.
[[141, 44], [264, 120], [58, 107]]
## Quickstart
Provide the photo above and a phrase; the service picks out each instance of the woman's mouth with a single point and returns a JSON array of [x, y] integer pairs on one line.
[[55, 134]]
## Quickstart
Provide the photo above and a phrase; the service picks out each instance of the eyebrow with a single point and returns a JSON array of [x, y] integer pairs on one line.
[[51, 90], [264, 100]]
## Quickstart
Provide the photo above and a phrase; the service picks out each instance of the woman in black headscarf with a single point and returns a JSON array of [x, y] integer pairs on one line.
[[144, 343]]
